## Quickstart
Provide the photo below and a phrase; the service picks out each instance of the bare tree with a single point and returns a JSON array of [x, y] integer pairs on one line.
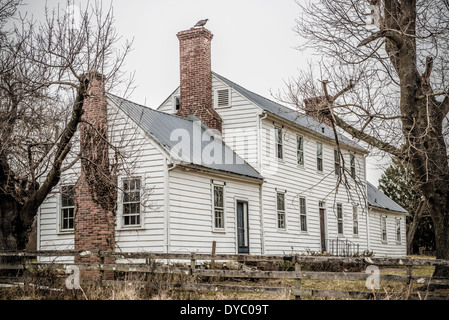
[[384, 80], [43, 83]]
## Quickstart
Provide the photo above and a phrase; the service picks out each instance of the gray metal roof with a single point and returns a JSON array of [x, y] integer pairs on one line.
[[185, 140], [306, 122], [378, 199]]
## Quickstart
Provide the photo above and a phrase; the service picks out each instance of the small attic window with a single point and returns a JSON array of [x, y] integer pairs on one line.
[[222, 98], [176, 103]]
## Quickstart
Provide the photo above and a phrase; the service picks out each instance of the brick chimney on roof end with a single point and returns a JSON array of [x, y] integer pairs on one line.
[[196, 77]]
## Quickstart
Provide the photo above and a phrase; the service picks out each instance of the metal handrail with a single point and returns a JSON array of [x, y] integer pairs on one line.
[[342, 247]]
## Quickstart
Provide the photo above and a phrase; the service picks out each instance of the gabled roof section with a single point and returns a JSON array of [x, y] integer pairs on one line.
[[378, 199], [185, 140], [308, 123]]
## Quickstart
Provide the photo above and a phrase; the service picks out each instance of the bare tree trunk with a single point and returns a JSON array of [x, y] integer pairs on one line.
[[413, 226]]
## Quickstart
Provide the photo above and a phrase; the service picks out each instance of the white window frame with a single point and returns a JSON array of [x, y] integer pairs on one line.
[[217, 92], [278, 144], [398, 231], [300, 150], [281, 212], [62, 208], [303, 214], [340, 219], [215, 208], [355, 220], [122, 204], [383, 229], [336, 163], [353, 165], [319, 157]]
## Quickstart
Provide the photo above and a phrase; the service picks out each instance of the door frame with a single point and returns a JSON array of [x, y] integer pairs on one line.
[[322, 215], [246, 227]]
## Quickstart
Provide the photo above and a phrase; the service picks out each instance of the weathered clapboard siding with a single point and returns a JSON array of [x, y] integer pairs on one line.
[[390, 248], [167, 105], [191, 215], [147, 162], [142, 159], [304, 181], [240, 124]]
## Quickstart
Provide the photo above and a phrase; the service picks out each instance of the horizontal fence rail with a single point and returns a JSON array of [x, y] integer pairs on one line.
[[248, 266]]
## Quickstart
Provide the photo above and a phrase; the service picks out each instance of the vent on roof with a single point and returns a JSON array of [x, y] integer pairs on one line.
[[222, 98]]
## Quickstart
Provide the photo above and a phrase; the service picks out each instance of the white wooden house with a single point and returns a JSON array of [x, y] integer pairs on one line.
[[263, 182]]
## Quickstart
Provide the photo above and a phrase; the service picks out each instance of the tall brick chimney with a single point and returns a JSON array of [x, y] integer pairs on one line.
[[196, 77], [94, 210]]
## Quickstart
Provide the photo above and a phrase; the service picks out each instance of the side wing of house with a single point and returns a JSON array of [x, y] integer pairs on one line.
[[387, 233], [387, 222], [207, 207], [139, 224]]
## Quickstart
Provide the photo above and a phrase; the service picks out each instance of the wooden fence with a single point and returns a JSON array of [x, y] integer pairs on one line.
[[295, 269]]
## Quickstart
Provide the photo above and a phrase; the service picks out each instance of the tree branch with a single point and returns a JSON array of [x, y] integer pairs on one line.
[[358, 134]]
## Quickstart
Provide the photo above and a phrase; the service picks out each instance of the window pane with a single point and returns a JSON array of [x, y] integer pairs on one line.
[[281, 220], [278, 140], [336, 162], [352, 166], [303, 223], [340, 217], [67, 195], [319, 150], [218, 196], [219, 221], [300, 149], [280, 201], [67, 207]]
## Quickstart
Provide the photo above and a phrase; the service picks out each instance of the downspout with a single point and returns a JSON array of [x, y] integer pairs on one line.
[[167, 170], [368, 247], [259, 160]]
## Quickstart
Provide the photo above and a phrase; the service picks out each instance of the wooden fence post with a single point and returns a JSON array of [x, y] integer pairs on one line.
[[192, 276], [410, 280], [214, 246], [298, 280]]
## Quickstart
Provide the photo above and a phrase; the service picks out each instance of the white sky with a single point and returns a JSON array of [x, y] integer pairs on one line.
[[253, 44]]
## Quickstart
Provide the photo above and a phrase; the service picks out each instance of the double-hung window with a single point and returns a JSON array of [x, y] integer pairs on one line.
[[303, 213], [355, 220], [319, 157], [300, 150], [383, 228], [280, 208], [340, 218], [278, 142], [336, 162], [131, 202], [67, 207], [218, 207], [398, 230], [352, 163]]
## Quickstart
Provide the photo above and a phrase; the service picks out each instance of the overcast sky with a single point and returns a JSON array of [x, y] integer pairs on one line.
[[253, 45]]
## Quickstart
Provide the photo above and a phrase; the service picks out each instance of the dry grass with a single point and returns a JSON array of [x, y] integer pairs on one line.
[[132, 288]]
